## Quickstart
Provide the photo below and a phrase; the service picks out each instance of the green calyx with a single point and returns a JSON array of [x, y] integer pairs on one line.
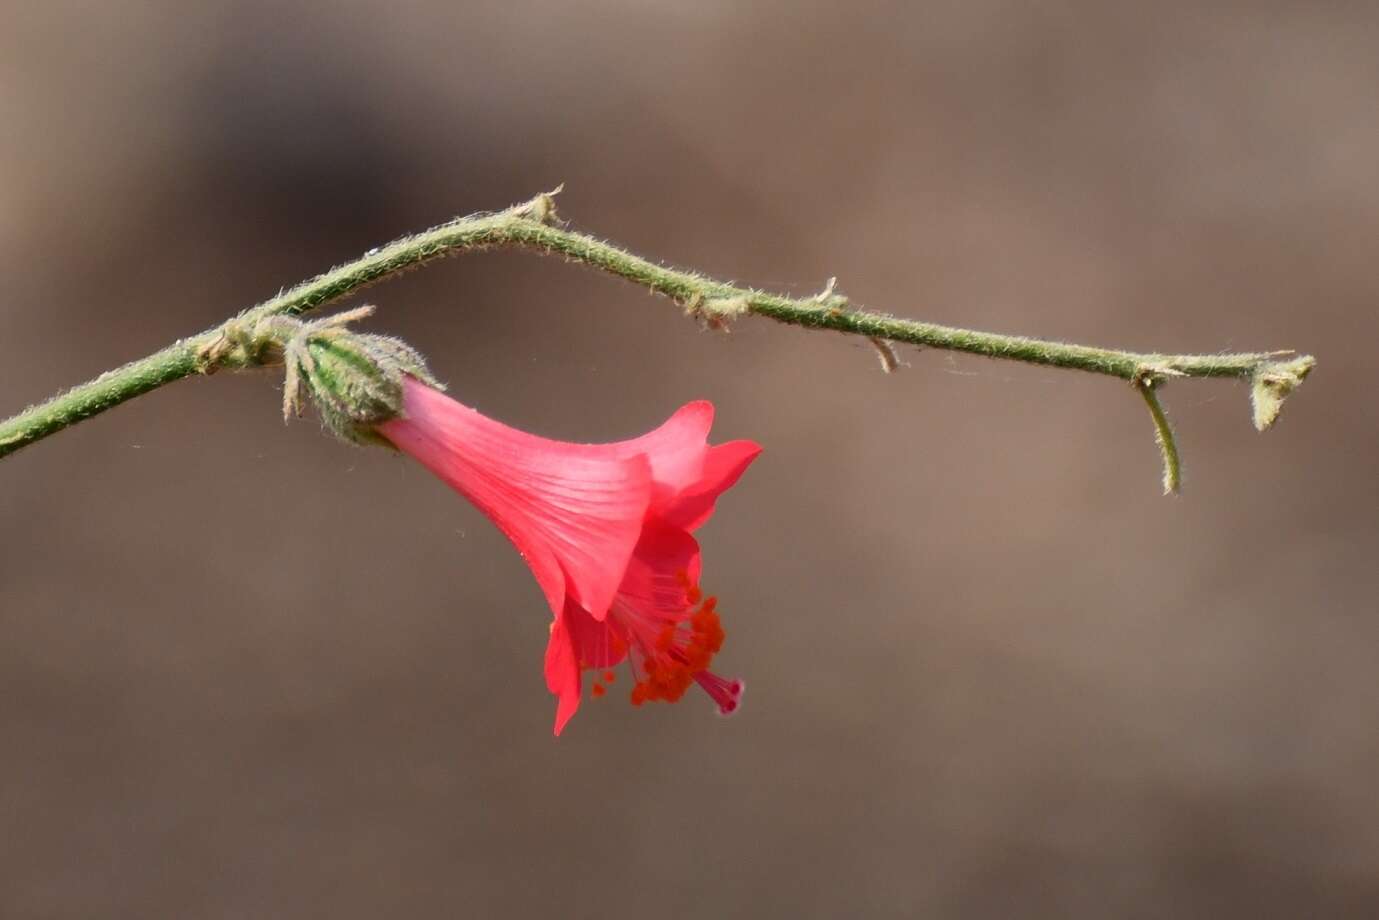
[[354, 379]]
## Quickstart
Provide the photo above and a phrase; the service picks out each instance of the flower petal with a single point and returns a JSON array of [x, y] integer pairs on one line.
[[676, 448], [573, 511], [724, 464], [596, 643], [687, 474], [664, 565], [562, 674]]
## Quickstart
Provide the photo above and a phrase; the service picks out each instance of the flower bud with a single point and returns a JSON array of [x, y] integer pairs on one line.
[[355, 379]]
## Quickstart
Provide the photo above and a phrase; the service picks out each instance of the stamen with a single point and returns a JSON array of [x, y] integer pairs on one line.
[[692, 590], [680, 654]]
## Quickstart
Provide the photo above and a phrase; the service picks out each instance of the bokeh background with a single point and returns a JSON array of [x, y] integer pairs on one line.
[[249, 672]]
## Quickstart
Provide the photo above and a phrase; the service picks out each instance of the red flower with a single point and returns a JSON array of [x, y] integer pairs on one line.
[[606, 531]]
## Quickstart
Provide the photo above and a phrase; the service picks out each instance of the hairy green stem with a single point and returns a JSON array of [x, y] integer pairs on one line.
[[105, 392], [1163, 434], [533, 226]]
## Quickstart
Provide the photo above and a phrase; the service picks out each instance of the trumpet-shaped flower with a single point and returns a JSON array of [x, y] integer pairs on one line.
[[606, 530]]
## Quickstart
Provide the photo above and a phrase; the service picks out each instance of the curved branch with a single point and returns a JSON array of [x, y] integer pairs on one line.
[[532, 226]]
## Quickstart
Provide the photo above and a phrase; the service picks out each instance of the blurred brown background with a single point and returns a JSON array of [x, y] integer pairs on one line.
[[248, 672]]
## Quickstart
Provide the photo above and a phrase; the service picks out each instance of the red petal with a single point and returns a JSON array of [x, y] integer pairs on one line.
[[574, 511], [723, 466], [562, 674], [596, 643], [687, 474], [664, 564], [676, 450]]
